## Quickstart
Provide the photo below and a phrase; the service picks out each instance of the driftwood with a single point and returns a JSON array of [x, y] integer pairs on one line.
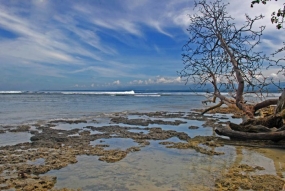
[[227, 131], [251, 128], [267, 128], [269, 121]]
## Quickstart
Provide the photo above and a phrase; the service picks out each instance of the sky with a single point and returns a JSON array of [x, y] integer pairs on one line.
[[104, 44]]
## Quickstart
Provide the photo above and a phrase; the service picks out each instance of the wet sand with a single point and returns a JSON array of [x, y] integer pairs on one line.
[[136, 151]]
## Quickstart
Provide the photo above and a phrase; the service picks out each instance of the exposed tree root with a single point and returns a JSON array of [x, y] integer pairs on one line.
[[228, 131], [251, 128], [269, 121]]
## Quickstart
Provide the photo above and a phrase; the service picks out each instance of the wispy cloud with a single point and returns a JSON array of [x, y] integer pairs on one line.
[[117, 82], [115, 41], [158, 80]]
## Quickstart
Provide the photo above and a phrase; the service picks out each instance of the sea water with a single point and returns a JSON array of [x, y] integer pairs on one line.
[[155, 167], [20, 107]]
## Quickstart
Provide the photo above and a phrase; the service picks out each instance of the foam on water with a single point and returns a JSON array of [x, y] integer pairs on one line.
[[10, 92], [100, 93]]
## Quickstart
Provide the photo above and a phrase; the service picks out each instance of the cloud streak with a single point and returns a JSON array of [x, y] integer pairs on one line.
[[127, 42]]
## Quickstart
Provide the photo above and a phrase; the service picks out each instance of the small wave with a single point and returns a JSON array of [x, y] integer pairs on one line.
[[184, 93], [147, 95], [11, 92], [102, 93]]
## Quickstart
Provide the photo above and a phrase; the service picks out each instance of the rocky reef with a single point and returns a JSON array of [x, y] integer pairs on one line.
[[23, 165]]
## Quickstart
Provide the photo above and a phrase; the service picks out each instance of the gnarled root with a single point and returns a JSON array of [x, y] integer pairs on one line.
[[271, 135]]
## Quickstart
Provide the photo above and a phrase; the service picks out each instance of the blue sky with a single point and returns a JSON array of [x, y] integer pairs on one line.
[[103, 44]]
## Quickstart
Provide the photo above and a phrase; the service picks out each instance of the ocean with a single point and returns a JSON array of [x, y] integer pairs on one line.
[[23, 107], [18, 107], [154, 166]]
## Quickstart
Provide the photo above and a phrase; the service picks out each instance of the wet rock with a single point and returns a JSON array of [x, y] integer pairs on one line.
[[69, 121], [145, 122], [33, 132], [193, 127], [4, 186], [195, 144], [113, 156], [103, 145], [133, 149], [160, 114], [142, 142], [84, 133], [21, 128], [237, 178]]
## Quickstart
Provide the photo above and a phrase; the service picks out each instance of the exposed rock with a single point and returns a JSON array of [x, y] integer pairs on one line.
[[238, 177], [144, 122], [193, 127], [21, 128], [194, 144]]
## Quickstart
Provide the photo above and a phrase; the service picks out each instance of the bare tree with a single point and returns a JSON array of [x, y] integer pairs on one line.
[[220, 53]]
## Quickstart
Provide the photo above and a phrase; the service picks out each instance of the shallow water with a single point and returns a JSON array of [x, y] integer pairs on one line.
[[158, 168], [273, 160], [10, 138], [152, 168], [115, 143]]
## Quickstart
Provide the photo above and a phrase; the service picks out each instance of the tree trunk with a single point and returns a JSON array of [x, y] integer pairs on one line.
[[237, 70], [281, 103]]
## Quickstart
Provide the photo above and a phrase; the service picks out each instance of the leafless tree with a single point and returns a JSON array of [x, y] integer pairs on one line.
[[222, 54]]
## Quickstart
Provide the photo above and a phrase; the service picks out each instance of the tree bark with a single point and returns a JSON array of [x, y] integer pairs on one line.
[[269, 122], [265, 103], [227, 131], [235, 64], [281, 103], [251, 128]]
